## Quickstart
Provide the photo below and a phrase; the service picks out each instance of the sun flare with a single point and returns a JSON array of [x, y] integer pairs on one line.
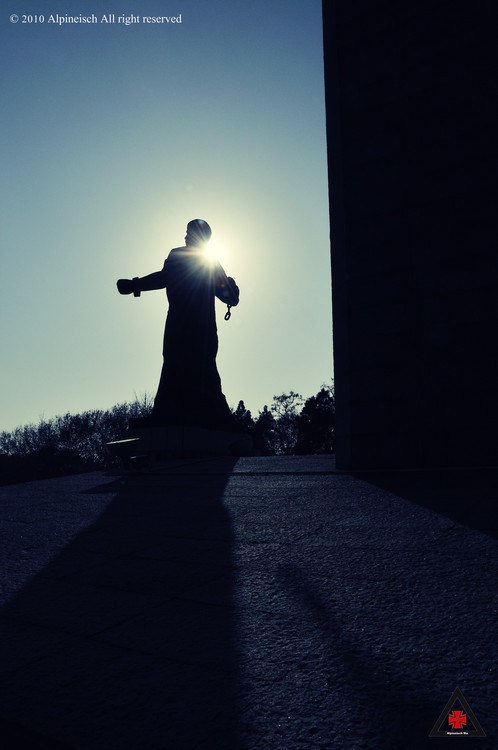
[[214, 251]]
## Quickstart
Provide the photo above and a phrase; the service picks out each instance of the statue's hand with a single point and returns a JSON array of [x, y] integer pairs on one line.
[[125, 286], [234, 289]]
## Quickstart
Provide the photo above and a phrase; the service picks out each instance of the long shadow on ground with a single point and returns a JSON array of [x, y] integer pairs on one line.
[[372, 697], [110, 645]]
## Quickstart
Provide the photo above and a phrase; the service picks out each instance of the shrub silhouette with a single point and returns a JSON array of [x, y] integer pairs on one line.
[[66, 444]]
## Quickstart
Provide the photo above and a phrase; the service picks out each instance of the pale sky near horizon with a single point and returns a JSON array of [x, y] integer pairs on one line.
[[113, 138]]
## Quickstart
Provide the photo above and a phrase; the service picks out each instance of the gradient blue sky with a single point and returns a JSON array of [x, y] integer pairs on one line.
[[113, 137]]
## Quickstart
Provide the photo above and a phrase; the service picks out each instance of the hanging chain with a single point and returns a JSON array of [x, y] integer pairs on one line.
[[228, 314]]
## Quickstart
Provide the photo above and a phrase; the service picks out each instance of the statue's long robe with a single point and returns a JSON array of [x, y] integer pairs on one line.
[[189, 391]]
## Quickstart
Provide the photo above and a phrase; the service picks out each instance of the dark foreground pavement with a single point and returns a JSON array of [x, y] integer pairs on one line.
[[247, 603]]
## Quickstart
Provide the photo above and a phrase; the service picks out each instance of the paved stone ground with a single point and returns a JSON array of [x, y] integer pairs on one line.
[[249, 603]]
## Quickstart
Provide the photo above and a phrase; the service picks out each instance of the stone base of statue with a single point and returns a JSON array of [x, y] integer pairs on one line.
[[180, 441], [148, 446]]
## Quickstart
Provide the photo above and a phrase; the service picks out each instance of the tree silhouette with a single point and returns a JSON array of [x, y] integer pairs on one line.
[[285, 412], [263, 433], [243, 418], [315, 426]]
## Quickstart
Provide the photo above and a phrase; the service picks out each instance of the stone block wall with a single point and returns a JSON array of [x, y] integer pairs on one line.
[[412, 146]]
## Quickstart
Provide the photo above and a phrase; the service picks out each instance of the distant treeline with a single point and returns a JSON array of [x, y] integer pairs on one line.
[[292, 425], [75, 443]]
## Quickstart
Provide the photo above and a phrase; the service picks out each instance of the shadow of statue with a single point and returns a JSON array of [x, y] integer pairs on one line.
[[115, 642]]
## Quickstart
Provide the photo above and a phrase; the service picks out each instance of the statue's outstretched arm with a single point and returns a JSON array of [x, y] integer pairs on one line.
[[156, 280]]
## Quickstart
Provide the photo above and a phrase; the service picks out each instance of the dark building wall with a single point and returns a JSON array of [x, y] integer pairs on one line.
[[412, 137]]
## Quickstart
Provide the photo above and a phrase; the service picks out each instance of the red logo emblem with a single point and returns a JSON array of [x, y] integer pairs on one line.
[[452, 718], [457, 719]]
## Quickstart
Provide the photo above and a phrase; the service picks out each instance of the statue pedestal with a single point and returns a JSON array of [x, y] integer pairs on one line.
[[196, 441], [152, 444]]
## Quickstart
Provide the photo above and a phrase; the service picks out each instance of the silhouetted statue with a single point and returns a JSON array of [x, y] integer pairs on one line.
[[189, 391]]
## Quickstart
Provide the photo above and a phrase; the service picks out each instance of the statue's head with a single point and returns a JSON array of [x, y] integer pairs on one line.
[[198, 232]]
